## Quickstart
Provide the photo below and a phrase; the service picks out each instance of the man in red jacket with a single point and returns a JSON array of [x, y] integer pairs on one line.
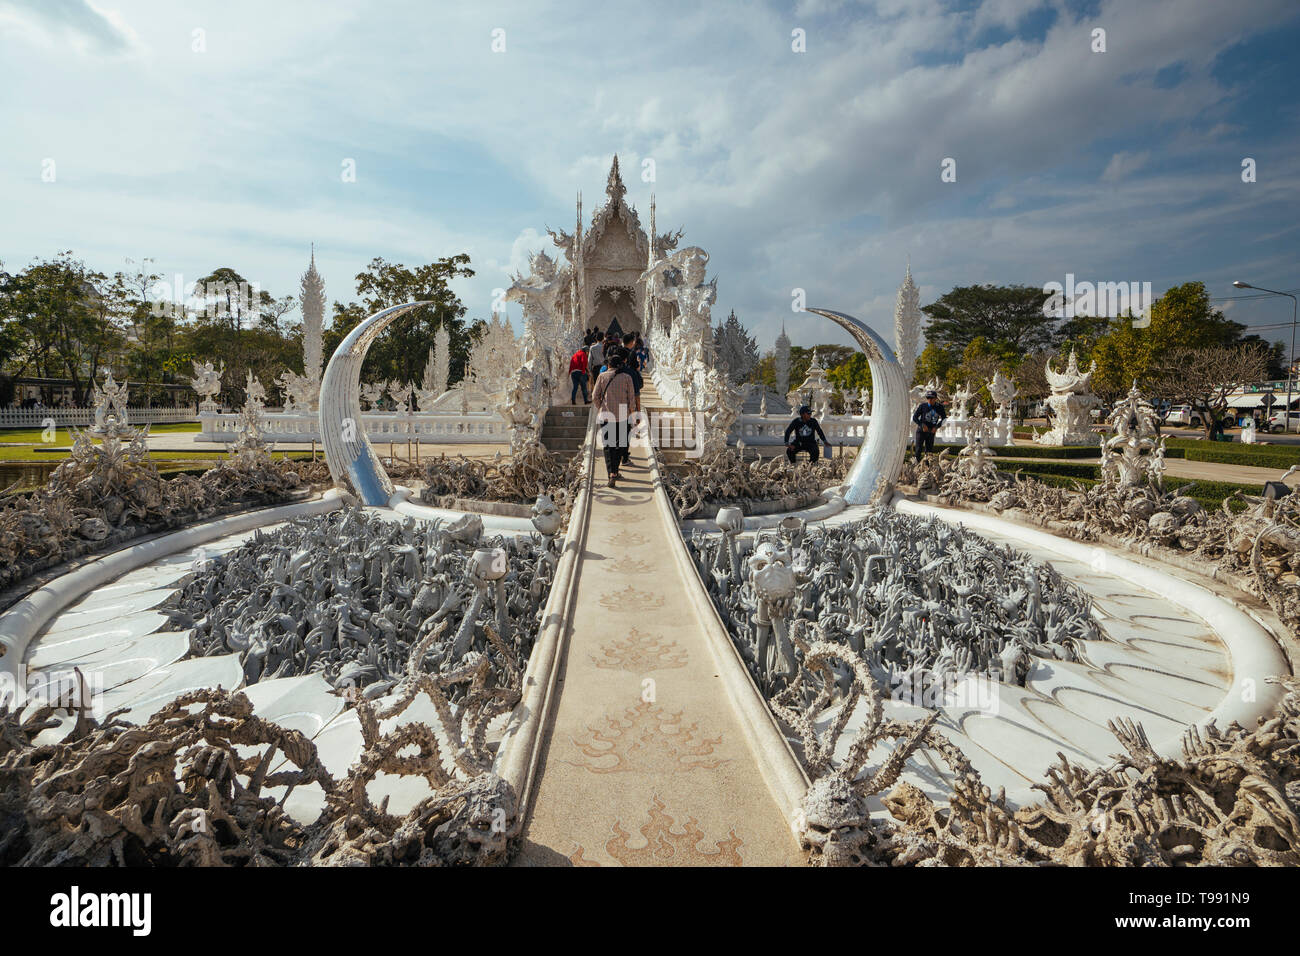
[[578, 373]]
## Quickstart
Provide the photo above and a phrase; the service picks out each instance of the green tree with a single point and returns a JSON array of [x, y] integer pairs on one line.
[[402, 350], [60, 314], [934, 363], [1007, 316], [1182, 318]]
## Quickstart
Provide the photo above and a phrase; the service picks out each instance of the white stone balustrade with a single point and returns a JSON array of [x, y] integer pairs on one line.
[[770, 430], [37, 417]]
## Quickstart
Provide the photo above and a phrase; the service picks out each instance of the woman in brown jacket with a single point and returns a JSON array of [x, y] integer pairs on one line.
[[615, 399]]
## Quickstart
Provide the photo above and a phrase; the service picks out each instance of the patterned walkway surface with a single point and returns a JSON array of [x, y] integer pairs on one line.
[[645, 762]]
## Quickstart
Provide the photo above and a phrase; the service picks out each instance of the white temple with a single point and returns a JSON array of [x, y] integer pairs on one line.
[[614, 275]]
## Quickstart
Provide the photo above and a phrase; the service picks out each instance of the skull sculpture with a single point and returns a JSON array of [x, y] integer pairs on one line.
[[837, 824], [772, 580]]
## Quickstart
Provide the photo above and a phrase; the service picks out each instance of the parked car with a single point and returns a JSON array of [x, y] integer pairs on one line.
[[1280, 420], [1184, 415]]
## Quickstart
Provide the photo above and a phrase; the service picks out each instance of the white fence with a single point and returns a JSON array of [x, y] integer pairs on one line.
[[40, 417], [277, 427]]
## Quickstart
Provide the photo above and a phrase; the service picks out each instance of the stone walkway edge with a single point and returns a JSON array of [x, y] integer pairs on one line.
[[521, 744]]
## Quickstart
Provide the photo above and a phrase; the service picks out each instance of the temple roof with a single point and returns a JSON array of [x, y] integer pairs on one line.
[[615, 205]]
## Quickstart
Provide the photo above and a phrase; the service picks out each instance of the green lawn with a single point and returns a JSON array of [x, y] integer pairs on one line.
[[34, 453], [32, 436]]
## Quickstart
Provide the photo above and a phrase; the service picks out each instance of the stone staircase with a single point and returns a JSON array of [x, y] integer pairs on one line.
[[565, 428], [672, 427]]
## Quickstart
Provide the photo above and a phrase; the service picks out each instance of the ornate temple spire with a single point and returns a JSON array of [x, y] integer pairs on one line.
[[312, 301], [781, 363], [614, 187], [907, 324]]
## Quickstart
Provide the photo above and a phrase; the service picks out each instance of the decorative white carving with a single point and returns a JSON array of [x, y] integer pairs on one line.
[[815, 390], [254, 393], [207, 383], [1135, 429], [371, 394], [312, 300], [1003, 390], [1071, 402], [299, 392], [781, 363], [689, 349], [494, 358], [110, 407], [549, 337]]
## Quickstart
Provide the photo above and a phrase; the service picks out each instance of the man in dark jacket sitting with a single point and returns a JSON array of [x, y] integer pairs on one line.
[[806, 432], [929, 415]]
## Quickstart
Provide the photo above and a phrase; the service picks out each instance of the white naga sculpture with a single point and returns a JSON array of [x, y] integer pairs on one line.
[[548, 339], [682, 284], [1134, 430], [526, 405], [720, 406], [371, 394], [110, 407], [207, 383], [1071, 402], [1003, 390]]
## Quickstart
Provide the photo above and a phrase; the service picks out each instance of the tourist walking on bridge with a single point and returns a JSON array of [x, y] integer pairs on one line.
[[615, 400], [578, 375], [595, 358]]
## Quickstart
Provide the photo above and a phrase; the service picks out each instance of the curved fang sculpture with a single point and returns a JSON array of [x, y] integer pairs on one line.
[[881, 457], [352, 461]]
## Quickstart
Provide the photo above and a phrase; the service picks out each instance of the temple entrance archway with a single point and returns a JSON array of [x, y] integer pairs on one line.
[[615, 309]]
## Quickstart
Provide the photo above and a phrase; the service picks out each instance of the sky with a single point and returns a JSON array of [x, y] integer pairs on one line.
[[802, 144]]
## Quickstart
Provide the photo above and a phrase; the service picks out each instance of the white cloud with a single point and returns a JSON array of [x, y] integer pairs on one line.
[[82, 24], [1124, 164], [817, 170]]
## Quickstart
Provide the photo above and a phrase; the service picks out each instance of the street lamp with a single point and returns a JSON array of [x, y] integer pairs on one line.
[[1291, 357]]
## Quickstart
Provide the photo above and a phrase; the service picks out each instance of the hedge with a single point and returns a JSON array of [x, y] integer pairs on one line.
[[1036, 451], [1064, 474]]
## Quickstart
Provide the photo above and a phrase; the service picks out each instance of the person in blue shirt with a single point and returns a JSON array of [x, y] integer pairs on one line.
[[806, 431], [929, 415]]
